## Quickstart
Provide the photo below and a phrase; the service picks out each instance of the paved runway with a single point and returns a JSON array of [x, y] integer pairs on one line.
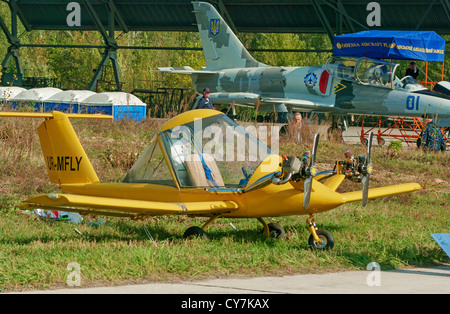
[[352, 135], [434, 280]]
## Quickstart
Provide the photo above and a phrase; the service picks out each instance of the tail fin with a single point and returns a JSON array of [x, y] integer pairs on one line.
[[221, 47], [67, 162]]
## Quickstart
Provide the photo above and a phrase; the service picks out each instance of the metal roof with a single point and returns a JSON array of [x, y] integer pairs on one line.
[[266, 16], [337, 16], [113, 98]]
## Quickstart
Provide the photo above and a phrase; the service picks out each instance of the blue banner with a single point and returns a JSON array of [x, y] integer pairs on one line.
[[405, 45]]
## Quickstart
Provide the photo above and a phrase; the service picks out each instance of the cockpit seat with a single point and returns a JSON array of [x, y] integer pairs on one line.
[[203, 171]]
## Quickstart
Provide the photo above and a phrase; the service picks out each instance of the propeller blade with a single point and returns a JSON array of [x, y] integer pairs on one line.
[[314, 151], [365, 189], [307, 192], [369, 148], [311, 172], [367, 172]]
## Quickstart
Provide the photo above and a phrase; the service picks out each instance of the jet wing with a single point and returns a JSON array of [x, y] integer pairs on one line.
[[228, 98], [296, 103], [251, 98], [124, 207]]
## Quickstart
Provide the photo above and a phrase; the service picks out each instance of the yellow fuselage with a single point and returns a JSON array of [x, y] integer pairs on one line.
[[272, 200]]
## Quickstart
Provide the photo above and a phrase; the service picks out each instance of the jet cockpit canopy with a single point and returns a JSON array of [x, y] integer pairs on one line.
[[372, 72]]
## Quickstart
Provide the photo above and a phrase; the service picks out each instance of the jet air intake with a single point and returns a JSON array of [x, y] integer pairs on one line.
[[442, 88]]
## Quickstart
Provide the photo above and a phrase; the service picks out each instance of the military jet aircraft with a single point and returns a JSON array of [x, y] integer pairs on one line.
[[201, 163], [341, 87]]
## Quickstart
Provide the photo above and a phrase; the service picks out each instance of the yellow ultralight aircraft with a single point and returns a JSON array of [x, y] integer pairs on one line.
[[177, 174]]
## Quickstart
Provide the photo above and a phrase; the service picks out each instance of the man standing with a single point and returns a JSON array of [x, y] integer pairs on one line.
[[298, 119], [204, 102], [412, 71], [431, 137], [296, 127]]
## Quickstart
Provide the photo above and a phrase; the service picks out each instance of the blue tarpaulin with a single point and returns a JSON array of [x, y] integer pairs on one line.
[[443, 239], [404, 45]]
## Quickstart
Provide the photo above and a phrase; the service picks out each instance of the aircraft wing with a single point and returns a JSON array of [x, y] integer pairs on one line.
[[251, 98], [239, 98], [124, 207], [296, 103]]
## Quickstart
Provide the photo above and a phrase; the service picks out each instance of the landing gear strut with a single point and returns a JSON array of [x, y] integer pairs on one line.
[[195, 231], [339, 124], [320, 239], [273, 230]]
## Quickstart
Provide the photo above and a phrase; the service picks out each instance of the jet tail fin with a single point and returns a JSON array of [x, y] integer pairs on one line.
[[221, 47]]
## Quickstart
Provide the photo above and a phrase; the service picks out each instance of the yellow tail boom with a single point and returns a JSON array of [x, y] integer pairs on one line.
[[382, 191]]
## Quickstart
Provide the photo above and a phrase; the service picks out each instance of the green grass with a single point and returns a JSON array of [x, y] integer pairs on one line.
[[394, 231]]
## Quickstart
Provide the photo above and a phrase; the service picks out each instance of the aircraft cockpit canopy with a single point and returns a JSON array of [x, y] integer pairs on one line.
[[363, 70], [375, 72], [211, 152], [371, 72], [341, 67]]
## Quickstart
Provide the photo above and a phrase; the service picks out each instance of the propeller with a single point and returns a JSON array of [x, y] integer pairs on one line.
[[366, 170], [310, 172]]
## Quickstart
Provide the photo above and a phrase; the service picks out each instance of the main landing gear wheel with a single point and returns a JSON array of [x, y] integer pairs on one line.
[[276, 231], [273, 230], [199, 232], [326, 240], [193, 232]]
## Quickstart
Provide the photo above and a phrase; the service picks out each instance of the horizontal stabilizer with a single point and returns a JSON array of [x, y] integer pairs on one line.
[[185, 70], [124, 207], [50, 115], [382, 192]]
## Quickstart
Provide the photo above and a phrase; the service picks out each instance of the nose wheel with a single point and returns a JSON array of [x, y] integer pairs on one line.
[[320, 239]]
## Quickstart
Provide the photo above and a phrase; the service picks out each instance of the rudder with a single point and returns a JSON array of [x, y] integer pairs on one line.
[[221, 47], [66, 160]]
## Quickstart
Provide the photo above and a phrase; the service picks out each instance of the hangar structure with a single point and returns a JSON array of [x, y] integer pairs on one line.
[[332, 17]]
